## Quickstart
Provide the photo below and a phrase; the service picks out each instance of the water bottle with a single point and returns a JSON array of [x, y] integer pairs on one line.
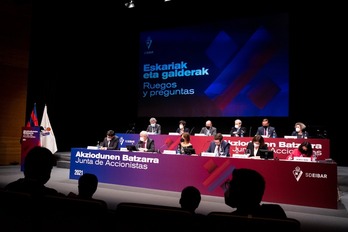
[[178, 149], [274, 134], [98, 145], [314, 158]]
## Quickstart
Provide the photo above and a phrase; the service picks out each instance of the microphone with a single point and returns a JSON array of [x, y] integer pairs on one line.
[[250, 131], [242, 132], [168, 142], [192, 130], [203, 150], [159, 149]]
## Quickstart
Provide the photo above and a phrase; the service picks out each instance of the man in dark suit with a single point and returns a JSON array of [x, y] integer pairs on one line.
[[266, 130], [238, 130], [208, 129], [154, 127], [145, 143], [110, 142], [219, 146]]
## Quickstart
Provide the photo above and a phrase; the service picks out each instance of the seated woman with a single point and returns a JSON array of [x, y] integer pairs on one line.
[[184, 144], [304, 150], [182, 127], [257, 143], [299, 131]]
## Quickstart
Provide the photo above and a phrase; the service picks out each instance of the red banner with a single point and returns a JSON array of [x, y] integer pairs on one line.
[[30, 138]]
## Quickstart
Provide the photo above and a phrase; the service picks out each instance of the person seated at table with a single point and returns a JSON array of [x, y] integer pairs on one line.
[[145, 143], [182, 127], [219, 146], [154, 127], [185, 142], [208, 129], [266, 130], [305, 149], [257, 143], [244, 192], [299, 131], [238, 130], [110, 142]]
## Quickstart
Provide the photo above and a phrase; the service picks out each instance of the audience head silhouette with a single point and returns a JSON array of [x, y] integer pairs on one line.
[[245, 190], [87, 185], [190, 198], [38, 164], [37, 167]]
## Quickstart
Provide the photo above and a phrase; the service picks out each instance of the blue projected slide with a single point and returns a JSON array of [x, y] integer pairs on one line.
[[230, 68]]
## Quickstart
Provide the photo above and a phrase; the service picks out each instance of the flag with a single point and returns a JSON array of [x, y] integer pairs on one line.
[[47, 136], [33, 121]]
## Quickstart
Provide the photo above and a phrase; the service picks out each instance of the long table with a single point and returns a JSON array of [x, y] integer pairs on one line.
[[280, 146], [289, 182]]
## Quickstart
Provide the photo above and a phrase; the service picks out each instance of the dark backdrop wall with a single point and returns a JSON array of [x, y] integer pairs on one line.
[[83, 65]]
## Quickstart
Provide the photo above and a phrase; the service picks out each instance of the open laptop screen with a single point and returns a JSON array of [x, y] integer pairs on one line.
[[266, 154], [131, 148], [189, 151]]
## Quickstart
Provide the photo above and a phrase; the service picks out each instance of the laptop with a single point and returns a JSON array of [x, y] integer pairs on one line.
[[189, 151], [266, 154], [131, 148]]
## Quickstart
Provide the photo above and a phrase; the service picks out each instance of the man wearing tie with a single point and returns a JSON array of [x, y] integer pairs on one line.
[[266, 130], [219, 146], [145, 143]]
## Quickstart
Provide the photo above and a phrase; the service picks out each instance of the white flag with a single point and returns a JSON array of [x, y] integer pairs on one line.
[[47, 136]]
